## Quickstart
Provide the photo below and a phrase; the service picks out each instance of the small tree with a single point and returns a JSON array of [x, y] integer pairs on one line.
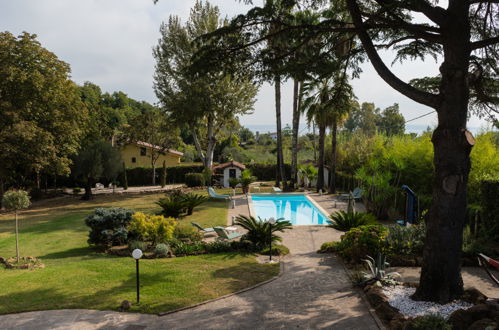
[[15, 200]]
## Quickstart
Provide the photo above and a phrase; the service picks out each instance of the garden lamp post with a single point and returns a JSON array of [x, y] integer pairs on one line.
[[272, 221], [137, 254]]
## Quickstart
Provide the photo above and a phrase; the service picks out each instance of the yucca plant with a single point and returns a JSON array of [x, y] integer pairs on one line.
[[259, 230], [192, 200], [344, 221]]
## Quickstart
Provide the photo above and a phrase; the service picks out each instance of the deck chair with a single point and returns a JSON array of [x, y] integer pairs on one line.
[[222, 234], [356, 194], [277, 189], [201, 229], [487, 263], [213, 194]]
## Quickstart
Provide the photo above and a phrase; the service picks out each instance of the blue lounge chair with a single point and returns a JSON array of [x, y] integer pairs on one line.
[[356, 194], [222, 234], [201, 229], [213, 194]]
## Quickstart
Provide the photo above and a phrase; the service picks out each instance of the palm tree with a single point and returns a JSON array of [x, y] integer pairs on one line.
[[317, 108], [327, 102]]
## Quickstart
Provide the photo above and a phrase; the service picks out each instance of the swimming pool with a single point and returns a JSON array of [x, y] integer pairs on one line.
[[296, 208]]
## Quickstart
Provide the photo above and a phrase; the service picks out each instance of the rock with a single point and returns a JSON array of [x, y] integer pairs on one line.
[[376, 297], [495, 316], [483, 324], [478, 312], [460, 319], [493, 304], [472, 295], [397, 323], [125, 306], [386, 312], [378, 284]]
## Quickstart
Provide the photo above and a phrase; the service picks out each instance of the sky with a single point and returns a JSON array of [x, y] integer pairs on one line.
[[109, 42]]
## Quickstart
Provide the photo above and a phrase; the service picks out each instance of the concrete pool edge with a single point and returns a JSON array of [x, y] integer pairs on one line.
[[252, 212]]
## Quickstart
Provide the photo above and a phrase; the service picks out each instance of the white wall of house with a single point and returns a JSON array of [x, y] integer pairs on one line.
[[227, 171]]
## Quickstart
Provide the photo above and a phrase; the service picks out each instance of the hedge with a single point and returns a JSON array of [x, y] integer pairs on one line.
[[490, 209], [267, 172]]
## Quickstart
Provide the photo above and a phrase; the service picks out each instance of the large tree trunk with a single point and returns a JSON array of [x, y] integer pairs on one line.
[[322, 137], [296, 128], [441, 271], [332, 169], [280, 160], [88, 189]]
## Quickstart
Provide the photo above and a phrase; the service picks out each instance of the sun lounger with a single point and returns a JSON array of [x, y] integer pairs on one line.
[[204, 230], [213, 194], [224, 235], [356, 194], [277, 189]]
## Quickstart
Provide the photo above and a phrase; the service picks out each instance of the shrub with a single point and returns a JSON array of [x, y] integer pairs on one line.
[[155, 228], [76, 190], [189, 249], [194, 179], [359, 242], [108, 226], [259, 230], [429, 322], [345, 221], [406, 240], [328, 247], [472, 244], [218, 247], [172, 206], [137, 245], [162, 250], [277, 250], [187, 233], [192, 200]]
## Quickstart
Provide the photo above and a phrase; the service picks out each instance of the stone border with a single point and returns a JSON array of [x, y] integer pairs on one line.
[[281, 272]]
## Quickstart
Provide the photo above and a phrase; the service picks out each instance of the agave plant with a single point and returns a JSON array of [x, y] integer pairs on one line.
[[345, 221], [259, 230], [377, 270], [192, 200]]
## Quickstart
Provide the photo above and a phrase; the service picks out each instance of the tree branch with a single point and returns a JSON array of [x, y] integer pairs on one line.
[[484, 42], [415, 94]]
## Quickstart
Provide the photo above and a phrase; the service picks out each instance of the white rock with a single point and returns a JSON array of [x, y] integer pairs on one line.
[[400, 298]]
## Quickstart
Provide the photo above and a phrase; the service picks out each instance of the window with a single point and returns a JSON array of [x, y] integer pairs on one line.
[[143, 151], [134, 160]]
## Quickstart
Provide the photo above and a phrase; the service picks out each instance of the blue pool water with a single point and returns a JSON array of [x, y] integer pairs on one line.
[[295, 208]]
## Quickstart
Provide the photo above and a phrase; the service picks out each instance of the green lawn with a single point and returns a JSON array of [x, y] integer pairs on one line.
[[76, 276]]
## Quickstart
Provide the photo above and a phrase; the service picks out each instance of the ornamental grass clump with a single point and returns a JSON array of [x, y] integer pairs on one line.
[[15, 200]]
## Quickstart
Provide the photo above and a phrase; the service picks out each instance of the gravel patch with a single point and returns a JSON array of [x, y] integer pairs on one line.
[[400, 298]]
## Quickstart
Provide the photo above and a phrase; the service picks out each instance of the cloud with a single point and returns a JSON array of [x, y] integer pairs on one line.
[[109, 42]]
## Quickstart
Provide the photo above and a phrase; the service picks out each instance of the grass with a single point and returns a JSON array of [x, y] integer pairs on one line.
[[78, 276]]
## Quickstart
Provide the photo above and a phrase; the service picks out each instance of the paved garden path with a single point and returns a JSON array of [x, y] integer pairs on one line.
[[313, 292]]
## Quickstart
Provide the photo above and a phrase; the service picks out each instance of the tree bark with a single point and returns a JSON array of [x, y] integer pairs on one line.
[[88, 190], [296, 127], [2, 191], [441, 279], [322, 137], [17, 237], [332, 169], [280, 160]]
